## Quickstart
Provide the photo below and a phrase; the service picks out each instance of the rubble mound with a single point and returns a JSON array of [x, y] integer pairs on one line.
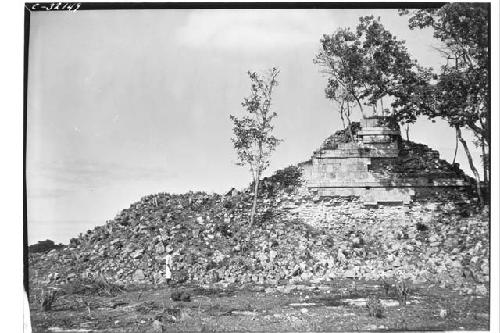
[[297, 237], [415, 158]]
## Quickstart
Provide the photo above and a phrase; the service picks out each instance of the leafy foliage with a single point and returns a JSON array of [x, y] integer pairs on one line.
[[387, 62], [341, 57], [253, 138], [462, 91], [180, 296], [402, 292], [370, 64], [463, 87], [421, 226], [92, 286], [44, 246], [48, 298], [342, 136], [286, 179]]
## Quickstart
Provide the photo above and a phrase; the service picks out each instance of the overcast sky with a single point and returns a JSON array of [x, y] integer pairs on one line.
[[123, 103]]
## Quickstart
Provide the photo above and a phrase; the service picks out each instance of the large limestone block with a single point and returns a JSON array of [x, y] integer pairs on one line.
[[388, 195]]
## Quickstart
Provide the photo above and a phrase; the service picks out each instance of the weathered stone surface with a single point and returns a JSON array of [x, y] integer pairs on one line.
[[377, 166], [138, 275], [157, 326], [159, 248], [298, 236]]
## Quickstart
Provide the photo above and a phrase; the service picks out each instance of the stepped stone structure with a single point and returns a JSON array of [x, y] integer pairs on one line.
[[315, 223], [371, 161]]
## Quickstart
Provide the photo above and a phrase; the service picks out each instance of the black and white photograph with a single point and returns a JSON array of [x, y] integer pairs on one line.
[[270, 167]]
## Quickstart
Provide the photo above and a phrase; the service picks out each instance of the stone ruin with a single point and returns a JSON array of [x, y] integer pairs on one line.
[[372, 162], [315, 224]]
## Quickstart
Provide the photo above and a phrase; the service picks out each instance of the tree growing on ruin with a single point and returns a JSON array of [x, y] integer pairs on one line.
[[342, 59], [253, 139], [462, 91], [367, 67]]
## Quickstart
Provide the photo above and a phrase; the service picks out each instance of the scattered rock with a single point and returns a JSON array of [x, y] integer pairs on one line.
[[308, 239], [481, 290], [139, 275], [157, 326]]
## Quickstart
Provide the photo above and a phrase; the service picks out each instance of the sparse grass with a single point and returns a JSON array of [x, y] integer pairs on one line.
[[248, 310], [375, 308], [402, 292], [92, 287]]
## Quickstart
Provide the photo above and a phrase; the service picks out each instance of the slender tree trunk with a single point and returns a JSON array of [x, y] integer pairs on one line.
[[407, 130], [349, 127], [456, 147], [349, 132], [486, 173], [342, 113], [258, 172], [471, 164], [348, 114], [256, 192], [360, 106]]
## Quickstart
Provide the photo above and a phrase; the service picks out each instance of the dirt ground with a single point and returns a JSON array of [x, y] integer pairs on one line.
[[335, 306]]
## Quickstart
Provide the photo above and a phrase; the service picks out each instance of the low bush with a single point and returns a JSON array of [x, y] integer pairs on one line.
[[402, 292], [286, 179], [98, 286], [44, 246], [180, 296], [266, 217], [421, 226], [48, 298], [375, 308]]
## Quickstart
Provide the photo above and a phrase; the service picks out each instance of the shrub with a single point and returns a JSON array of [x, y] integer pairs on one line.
[[421, 226], [147, 307], [386, 286], [229, 204], [44, 246], [74, 242], [402, 292], [92, 286], [288, 177], [375, 308], [267, 216], [48, 298], [285, 179], [341, 136], [180, 296]]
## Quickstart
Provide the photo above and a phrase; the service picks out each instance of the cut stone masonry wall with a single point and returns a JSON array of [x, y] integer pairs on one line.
[[379, 167]]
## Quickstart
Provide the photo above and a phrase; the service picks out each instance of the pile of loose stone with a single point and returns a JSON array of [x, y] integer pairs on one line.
[[417, 159], [296, 238]]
